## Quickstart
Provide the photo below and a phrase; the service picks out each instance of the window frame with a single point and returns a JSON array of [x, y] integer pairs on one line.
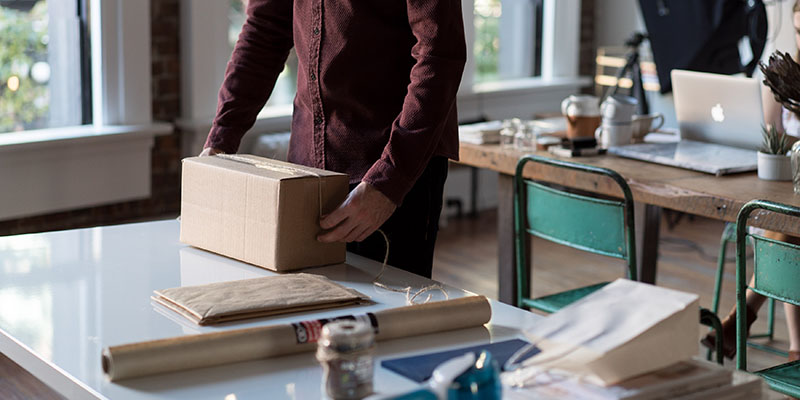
[[71, 167], [205, 54]]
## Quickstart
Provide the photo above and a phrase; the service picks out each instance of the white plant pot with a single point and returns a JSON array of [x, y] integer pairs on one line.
[[774, 167]]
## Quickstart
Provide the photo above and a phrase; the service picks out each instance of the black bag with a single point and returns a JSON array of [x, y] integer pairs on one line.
[[703, 35]]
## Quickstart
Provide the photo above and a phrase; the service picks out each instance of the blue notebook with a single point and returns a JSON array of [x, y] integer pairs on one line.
[[420, 368]]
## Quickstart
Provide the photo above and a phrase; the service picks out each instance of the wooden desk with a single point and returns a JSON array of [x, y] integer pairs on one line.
[[654, 185]]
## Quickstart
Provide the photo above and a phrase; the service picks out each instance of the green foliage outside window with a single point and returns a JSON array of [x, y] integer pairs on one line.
[[23, 42], [487, 39]]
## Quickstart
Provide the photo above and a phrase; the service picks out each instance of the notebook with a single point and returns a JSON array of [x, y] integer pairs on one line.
[[419, 368]]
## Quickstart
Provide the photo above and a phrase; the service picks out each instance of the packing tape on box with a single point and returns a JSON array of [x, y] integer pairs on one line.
[[284, 169], [218, 348]]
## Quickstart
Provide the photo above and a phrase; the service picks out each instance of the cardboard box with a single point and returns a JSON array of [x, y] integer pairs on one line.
[[260, 211]]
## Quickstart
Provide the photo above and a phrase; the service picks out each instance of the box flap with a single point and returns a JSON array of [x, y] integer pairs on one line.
[[260, 166]]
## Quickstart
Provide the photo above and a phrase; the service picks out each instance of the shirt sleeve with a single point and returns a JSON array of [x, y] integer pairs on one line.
[[258, 57], [440, 54]]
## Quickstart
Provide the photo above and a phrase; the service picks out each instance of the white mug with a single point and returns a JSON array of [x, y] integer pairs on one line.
[[613, 135], [618, 109], [580, 105], [643, 124]]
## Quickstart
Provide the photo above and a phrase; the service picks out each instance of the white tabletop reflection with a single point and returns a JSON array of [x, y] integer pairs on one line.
[[66, 295]]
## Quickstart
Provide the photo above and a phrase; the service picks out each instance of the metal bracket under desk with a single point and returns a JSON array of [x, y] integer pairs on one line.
[[648, 226]]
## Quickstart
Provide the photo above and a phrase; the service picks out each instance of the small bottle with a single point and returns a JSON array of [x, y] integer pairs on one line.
[[345, 350], [524, 139], [507, 134], [795, 152]]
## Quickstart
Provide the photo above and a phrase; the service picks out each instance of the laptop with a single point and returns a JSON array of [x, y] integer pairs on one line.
[[720, 120]]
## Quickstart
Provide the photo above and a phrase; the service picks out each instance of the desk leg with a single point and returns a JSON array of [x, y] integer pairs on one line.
[[649, 222], [473, 199], [506, 271]]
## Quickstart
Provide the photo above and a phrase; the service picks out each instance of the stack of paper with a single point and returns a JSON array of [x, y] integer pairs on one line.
[[480, 133], [687, 380]]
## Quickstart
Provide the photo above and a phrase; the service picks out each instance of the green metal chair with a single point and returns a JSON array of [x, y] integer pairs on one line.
[[729, 236], [583, 222], [776, 267], [586, 223]]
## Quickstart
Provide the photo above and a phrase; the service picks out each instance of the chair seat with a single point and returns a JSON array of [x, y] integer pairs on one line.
[[555, 302], [784, 378]]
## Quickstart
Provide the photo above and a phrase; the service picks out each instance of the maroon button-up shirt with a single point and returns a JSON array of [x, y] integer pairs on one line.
[[376, 86]]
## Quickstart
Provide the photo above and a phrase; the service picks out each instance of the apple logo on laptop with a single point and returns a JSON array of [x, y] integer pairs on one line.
[[717, 113]]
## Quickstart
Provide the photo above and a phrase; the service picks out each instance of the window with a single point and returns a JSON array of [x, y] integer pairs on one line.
[[508, 42], [286, 85], [44, 66], [523, 59]]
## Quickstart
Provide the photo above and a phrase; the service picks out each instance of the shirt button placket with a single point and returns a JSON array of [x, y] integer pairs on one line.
[[319, 129]]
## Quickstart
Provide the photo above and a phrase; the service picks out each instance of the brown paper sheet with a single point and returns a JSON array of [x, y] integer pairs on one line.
[[259, 297], [210, 349]]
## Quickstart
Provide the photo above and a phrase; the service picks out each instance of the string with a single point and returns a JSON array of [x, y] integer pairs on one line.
[[522, 373], [285, 169], [410, 298], [407, 290]]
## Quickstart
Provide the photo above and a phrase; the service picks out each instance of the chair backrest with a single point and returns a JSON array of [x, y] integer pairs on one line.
[[776, 267], [587, 223]]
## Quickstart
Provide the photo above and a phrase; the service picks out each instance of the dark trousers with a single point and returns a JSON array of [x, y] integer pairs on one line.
[[413, 227]]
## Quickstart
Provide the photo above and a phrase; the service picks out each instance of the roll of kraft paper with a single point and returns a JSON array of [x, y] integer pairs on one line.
[[210, 349]]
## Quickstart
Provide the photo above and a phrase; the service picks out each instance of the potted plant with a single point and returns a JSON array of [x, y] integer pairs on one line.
[[773, 162]]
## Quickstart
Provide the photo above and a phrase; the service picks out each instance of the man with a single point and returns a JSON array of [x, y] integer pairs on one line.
[[376, 92]]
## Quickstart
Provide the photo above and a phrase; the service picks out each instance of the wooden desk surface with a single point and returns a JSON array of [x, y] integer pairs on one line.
[[675, 188]]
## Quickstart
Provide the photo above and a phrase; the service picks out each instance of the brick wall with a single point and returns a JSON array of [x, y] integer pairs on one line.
[[165, 191]]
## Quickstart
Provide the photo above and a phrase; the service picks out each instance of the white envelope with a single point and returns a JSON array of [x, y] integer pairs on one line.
[[625, 329]]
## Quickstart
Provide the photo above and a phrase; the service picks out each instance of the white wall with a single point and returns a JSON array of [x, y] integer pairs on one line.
[[615, 20]]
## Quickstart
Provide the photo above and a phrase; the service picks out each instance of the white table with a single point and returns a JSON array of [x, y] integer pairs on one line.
[[64, 296]]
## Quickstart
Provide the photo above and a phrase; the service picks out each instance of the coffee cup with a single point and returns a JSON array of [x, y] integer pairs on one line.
[[644, 124], [613, 135], [583, 115], [580, 105], [618, 109]]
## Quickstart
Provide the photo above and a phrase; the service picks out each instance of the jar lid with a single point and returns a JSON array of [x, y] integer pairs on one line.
[[347, 335]]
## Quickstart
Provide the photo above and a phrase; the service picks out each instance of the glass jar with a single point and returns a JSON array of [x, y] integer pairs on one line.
[[345, 350], [524, 139], [796, 166], [507, 134]]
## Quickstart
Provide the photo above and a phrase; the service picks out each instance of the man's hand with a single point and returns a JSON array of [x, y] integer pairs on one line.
[[210, 151], [363, 211]]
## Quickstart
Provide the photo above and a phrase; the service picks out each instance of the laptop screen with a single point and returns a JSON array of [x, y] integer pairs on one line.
[[718, 109]]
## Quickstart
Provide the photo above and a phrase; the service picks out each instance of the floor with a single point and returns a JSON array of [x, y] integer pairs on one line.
[[467, 257]]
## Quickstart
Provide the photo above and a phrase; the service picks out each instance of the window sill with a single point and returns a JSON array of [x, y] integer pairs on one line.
[[521, 98], [494, 100], [514, 86], [62, 169], [78, 135]]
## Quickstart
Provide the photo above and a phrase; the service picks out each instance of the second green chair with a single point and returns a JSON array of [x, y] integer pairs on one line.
[[776, 267], [587, 223]]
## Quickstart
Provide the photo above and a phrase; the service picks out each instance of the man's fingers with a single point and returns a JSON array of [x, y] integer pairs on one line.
[[357, 233], [339, 233], [335, 218]]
